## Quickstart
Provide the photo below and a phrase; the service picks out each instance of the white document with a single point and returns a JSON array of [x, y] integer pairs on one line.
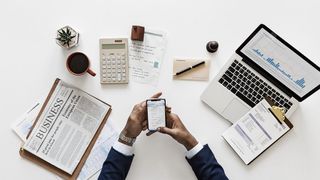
[[23, 124], [66, 127], [99, 152], [145, 58], [255, 132]]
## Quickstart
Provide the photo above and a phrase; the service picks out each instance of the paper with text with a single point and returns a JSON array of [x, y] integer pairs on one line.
[[145, 58], [255, 132], [66, 127], [23, 124], [98, 153]]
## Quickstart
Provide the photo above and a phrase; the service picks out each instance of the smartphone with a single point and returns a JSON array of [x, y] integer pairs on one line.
[[156, 110]]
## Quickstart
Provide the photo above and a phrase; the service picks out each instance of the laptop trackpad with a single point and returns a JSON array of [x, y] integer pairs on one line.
[[235, 110]]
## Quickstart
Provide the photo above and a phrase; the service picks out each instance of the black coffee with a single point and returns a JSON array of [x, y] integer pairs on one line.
[[78, 63]]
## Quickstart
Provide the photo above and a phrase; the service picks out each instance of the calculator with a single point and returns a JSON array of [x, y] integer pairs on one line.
[[114, 61]]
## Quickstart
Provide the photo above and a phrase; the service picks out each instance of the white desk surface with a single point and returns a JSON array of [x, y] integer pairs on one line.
[[31, 60]]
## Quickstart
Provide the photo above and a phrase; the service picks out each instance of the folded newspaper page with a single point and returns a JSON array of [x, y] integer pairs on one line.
[[66, 126]]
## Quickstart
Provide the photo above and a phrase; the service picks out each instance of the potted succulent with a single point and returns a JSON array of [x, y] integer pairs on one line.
[[67, 37]]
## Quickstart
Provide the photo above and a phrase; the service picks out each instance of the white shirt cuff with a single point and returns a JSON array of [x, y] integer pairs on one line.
[[192, 152], [123, 148]]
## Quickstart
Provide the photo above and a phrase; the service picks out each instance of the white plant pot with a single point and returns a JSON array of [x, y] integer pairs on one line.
[[74, 41]]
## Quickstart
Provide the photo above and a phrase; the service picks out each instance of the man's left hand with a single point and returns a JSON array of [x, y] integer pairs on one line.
[[137, 120]]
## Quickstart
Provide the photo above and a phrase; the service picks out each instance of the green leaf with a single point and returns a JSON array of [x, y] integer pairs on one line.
[[68, 32], [63, 31], [65, 36]]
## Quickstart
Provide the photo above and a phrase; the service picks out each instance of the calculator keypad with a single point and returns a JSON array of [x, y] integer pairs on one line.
[[114, 68]]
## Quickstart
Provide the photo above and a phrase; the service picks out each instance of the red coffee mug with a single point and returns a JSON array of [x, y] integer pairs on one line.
[[78, 64]]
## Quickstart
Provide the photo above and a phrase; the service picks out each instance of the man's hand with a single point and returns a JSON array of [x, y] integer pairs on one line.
[[137, 120], [178, 131]]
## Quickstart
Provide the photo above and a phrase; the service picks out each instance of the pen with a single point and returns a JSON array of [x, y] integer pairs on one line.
[[189, 68]]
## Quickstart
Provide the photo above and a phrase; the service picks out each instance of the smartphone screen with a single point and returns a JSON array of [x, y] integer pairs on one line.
[[156, 113]]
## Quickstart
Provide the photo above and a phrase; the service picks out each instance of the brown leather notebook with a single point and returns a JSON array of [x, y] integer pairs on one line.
[[50, 167]]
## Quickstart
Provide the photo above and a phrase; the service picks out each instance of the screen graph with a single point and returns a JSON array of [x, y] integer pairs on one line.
[[282, 63], [277, 66]]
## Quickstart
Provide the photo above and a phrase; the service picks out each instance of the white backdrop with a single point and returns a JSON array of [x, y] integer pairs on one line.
[[31, 60]]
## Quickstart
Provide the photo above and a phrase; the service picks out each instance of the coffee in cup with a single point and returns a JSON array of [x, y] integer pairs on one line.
[[78, 64]]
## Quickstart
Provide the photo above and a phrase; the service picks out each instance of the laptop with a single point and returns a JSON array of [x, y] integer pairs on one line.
[[264, 65]]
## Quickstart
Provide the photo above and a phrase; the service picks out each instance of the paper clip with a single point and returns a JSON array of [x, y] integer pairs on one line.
[[279, 113]]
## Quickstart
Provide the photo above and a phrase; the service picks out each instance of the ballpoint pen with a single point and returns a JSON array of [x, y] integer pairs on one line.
[[189, 68]]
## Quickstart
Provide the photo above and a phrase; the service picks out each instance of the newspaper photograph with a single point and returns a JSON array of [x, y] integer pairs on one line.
[[66, 127]]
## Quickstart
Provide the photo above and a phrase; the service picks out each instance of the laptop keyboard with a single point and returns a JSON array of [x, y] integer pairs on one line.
[[249, 87]]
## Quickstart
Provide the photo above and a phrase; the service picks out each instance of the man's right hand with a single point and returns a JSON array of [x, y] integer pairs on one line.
[[178, 131]]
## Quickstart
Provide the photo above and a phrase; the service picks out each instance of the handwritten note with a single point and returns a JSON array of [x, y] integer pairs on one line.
[[145, 58]]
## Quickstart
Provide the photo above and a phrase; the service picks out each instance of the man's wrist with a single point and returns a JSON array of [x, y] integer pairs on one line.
[[195, 150], [125, 139], [127, 133], [190, 142], [124, 142], [123, 148]]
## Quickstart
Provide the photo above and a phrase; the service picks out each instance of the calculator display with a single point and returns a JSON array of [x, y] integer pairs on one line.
[[113, 46]]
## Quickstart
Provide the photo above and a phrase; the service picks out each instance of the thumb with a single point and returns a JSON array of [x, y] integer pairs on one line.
[[166, 130]]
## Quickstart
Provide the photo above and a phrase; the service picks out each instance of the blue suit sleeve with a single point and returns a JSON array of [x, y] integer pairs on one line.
[[205, 165], [116, 166]]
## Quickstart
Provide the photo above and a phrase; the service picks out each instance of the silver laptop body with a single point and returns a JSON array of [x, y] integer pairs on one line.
[[264, 65]]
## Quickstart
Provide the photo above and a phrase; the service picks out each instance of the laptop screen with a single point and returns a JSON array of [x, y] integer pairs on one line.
[[282, 61]]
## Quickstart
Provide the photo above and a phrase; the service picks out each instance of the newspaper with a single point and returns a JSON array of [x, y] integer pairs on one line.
[[98, 153], [66, 127]]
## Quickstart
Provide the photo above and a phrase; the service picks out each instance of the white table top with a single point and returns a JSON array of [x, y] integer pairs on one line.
[[31, 60]]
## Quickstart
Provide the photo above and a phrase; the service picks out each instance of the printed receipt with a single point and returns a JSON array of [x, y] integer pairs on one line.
[[254, 132], [145, 58]]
